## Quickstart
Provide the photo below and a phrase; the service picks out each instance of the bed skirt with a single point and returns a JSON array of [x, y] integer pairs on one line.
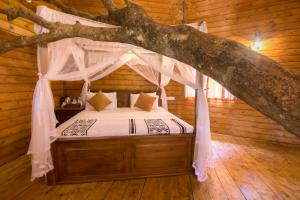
[[90, 159]]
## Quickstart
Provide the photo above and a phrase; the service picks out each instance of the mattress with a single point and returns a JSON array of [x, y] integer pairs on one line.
[[123, 122]]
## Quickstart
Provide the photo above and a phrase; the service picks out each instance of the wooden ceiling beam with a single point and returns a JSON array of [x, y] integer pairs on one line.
[[14, 29], [19, 3], [18, 27]]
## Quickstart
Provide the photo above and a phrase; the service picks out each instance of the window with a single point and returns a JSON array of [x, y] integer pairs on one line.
[[189, 92], [212, 90]]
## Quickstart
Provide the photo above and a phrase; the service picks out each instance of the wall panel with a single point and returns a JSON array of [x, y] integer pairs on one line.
[[123, 78], [16, 87], [18, 76]]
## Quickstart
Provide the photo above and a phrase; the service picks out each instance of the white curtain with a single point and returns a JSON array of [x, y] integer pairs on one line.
[[156, 62], [203, 148], [43, 123], [168, 65], [82, 59], [151, 71], [214, 90]]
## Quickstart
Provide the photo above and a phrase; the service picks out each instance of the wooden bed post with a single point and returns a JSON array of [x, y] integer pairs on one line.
[[195, 114], [159, 89], [195, 124], [200, 78]]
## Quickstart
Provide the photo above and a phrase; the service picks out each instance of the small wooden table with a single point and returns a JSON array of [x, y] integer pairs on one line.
[[63, 114]]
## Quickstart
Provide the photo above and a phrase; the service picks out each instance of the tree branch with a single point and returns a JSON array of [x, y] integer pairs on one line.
[[63, 31], [13, 13], [256, 79], [110, 6], [127, 2]]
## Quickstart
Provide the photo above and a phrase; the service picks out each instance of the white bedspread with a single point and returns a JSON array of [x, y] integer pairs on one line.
[[123, 122]]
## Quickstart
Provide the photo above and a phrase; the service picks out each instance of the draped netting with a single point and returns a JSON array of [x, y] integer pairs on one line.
[[82, 59]]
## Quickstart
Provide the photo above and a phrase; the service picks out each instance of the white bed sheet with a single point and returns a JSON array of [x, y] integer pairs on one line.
[[115, 122]]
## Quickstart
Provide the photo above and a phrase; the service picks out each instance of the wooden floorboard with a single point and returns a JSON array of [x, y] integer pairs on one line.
[[100, 191], [243, 169]]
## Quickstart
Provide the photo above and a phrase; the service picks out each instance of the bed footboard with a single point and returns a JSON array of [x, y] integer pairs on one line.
[[78, 160]]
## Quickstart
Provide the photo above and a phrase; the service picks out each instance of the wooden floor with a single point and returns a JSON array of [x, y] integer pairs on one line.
[[244, 169]]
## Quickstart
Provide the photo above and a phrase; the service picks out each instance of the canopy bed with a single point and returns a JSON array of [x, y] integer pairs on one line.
[[113, 144], [121, 143]]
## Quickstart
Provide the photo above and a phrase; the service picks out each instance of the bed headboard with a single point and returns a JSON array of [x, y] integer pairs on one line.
[[123, 96]]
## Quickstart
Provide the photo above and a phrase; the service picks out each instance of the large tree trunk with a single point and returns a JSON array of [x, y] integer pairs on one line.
[[256, 79]]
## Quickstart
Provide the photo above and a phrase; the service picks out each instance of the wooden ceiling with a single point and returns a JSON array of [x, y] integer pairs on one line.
[[162, 11]]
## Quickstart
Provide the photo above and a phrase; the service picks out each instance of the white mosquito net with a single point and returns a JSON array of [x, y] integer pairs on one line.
[[83, 59]]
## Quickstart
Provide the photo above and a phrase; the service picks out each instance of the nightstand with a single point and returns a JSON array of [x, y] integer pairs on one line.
[[63, 114]]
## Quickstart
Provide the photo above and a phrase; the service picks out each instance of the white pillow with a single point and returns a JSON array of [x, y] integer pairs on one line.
[[134, 97], [112, 96]]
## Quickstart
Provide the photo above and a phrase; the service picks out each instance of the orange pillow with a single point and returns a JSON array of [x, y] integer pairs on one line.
[[145, 102], [99, 101]]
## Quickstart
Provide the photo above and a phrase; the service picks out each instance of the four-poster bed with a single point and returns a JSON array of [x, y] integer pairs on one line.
[[111, 154], [102, 157]]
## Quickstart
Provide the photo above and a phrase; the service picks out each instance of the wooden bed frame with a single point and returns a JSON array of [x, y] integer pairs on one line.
[[78, 160]]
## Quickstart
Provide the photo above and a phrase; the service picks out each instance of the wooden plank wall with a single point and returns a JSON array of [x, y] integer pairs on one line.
[[123, 78], [278, 23], [18, 76], [17, 79]]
